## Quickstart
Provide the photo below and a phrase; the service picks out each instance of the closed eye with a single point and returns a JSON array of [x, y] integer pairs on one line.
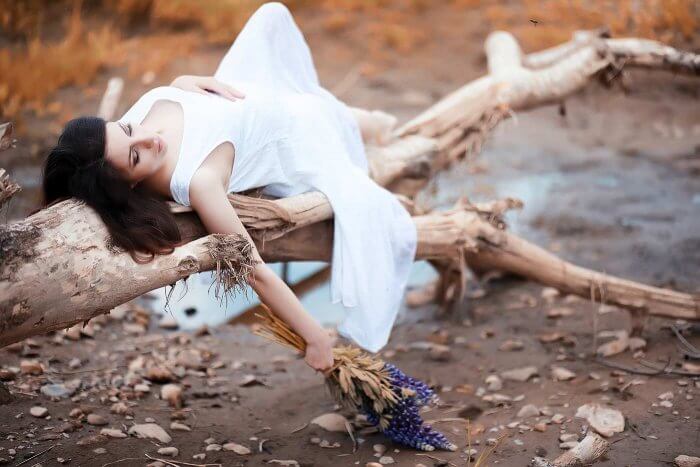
[[133, 153]]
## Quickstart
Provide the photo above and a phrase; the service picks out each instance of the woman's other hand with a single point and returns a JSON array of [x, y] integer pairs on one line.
[[319, 352], [205, 85]]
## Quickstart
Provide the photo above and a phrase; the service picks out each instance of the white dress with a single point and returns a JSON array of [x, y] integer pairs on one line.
[[290, 135]]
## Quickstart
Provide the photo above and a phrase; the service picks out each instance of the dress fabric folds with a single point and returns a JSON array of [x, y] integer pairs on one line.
[[290, 136]]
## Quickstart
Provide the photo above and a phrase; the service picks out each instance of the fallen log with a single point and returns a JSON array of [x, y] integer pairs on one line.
[[63, 251], [588, 451]]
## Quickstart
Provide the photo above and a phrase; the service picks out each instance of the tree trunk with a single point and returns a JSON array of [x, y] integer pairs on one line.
[[58, 268]]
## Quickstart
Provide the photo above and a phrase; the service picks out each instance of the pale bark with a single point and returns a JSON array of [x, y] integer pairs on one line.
[[8, 188], [62, 251], [110, 99], [588, 451], [58, 270]]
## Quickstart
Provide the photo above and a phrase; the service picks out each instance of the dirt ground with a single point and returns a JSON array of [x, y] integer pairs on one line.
[[610, 185]]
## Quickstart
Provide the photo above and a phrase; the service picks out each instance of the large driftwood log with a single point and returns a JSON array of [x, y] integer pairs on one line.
[[63, 251]]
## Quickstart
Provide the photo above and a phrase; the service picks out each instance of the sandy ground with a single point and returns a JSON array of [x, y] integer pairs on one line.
[[611, 185]]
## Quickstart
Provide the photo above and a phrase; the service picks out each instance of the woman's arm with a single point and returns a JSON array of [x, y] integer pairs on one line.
[[205, 85], [208, 199]]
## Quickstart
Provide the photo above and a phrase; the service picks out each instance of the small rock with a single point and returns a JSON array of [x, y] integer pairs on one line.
[[199, 457], [213, 447], [562, 374], [511, 345], [604, 420], [39, 412], [528, 410], [379, 449], [159, 375], [96, 420], [169, 451], [120, 408], [99, 451], [373, 464], [667, 404], [637, 343], [541, 427], [92, 439], [74, 363], [440, 353], [386, 460], [666, 396], [494, 383], [549, 294], [31, 367], [237, 448], [687, 461], [173, 394], [57, 390], [616, 346], [520, 374], [331, 422], [113, 433], [144, 388], [177, 426], [150, 430]]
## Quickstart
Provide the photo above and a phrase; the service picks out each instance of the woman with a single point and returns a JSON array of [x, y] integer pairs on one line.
[[262, 120]]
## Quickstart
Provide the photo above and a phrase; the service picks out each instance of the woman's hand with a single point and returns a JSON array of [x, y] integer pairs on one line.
[[205, 85], [319, 352]]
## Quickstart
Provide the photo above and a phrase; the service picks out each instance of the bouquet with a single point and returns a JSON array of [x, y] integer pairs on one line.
[[390, 399]]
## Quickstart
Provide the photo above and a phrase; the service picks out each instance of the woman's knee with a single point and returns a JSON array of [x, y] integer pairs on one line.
[[274, 9]]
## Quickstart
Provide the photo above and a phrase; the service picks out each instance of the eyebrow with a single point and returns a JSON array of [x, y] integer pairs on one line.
[[131, 159]]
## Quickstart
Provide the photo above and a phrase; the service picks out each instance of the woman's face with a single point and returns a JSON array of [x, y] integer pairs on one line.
[[135, 151]]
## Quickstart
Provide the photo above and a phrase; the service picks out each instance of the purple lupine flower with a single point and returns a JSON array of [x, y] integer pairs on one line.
[[406, 426]]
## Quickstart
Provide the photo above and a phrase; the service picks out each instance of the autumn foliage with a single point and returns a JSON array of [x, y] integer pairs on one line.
[[50, 44]]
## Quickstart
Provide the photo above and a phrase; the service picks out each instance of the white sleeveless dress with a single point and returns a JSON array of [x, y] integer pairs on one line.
[[290, 135]]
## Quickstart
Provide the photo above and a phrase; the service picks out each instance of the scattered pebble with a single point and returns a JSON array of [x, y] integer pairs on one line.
[[38, 411], [604, 420], [494, 383], [96, 420], [528, 410], [237, 448], [150, 430], [113, 433], [687, 461], [177, 426], [562, 374], [173, 394], [520, 374], [169, 451]]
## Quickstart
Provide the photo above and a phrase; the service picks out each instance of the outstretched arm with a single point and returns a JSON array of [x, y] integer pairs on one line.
[[208, 199]]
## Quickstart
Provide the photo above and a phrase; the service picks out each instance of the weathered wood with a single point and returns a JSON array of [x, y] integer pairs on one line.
[[590, 450], [63, 251]]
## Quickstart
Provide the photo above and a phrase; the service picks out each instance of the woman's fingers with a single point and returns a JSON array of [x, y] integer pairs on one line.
[[224, 89]]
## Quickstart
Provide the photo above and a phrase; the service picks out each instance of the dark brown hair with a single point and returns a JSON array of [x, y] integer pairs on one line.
[[137, 220]]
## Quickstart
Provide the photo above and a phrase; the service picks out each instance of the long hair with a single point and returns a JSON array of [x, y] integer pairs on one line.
[[137, 220]]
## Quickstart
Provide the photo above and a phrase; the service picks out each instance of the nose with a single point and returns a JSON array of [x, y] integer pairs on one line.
[[146, 142]]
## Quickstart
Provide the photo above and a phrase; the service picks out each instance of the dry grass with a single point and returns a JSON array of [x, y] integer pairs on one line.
[[95, 36], [543, 23]]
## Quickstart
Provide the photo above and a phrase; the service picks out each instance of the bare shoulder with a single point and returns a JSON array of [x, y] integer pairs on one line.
[[205, 183]]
